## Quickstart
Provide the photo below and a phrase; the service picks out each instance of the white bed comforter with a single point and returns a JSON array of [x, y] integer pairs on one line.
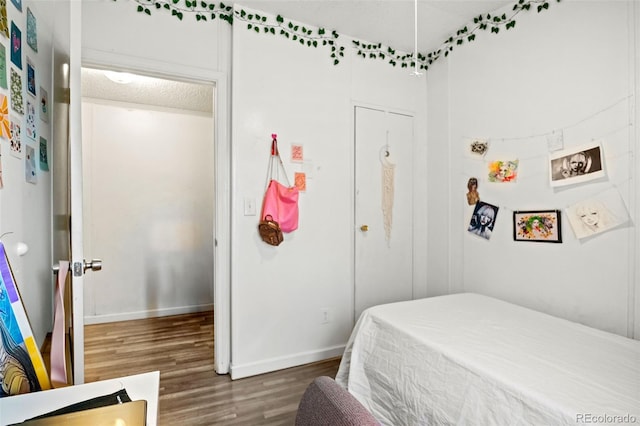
[[468, 359]]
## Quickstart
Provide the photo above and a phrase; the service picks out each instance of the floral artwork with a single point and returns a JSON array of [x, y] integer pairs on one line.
[[16, 138], [503, 171], [16, 92], [32, 33], [31, 120], [538, 225], [16, 45], [5, 126], [4, 22]]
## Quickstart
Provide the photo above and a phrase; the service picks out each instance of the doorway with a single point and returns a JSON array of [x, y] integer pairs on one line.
[[148, 156], [383, 207]]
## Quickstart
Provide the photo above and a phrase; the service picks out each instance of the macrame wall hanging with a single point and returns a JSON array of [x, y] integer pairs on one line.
[[388, 189]]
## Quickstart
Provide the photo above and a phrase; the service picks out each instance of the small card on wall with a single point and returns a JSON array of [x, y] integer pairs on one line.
[[297, 153], [300, 181]]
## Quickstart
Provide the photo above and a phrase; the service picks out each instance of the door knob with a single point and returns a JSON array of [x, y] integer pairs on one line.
[[364, 228], [93, 264]]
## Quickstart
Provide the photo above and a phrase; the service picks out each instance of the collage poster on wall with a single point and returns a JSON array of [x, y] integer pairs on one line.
[[20, 359]]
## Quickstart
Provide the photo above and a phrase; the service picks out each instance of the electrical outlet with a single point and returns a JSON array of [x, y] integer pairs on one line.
[[249, 206], [325, 316]]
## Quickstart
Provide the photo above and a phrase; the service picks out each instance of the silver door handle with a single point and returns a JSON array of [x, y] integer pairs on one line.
[[93, 264]]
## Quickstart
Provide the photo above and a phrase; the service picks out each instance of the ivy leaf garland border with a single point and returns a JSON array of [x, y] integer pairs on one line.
[[315, 37]]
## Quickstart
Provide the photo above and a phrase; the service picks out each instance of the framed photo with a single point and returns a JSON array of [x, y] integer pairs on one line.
[[537, 225], [576, 165]]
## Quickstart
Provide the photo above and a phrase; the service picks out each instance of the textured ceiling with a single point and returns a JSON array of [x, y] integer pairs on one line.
[[148, 91], [389, 22]]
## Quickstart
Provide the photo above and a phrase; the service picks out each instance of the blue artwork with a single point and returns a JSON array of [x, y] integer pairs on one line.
[[17, 4], [31, 79]]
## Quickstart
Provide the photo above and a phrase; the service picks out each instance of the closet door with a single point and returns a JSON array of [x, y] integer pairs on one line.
[[383, 207]]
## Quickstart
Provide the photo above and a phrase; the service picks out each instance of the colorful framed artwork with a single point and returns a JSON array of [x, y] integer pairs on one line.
[[537, 225], [32, 32], [300, 180], [16, 45], [21, 360], [297, 153], [576, 165]]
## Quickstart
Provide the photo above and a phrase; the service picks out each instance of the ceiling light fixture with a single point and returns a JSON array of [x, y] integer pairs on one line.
[[119, 77], [415, 40]]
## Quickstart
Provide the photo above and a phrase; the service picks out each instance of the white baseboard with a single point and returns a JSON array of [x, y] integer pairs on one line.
[[152, 313], [274, 364]]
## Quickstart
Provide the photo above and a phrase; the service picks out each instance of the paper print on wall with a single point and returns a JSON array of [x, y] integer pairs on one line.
[[16, 138], [16, 92], [31, 78], [472, 196], [32, 32], [44, 105], [30, 164], [3, 67], [555, 140], [503, 171], [483, 219], [576, 165], [598, 214], [5, 125], [478, 147], [44, 156], [17, 4], [297, 153], [30, 118], [1, 180], [20, 359], [16, 45], [4, 22], [300, 180], [537, 225]]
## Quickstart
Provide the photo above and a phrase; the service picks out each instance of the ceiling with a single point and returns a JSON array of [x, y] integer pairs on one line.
[[390, 22]]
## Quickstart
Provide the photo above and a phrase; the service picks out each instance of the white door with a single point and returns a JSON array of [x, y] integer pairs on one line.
[[383, 207]]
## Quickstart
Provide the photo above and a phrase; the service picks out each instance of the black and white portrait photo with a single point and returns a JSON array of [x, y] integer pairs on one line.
[[576, 165], [483, 219]]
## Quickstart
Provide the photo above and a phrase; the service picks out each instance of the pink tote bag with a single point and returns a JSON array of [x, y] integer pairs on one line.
[[280, 201]]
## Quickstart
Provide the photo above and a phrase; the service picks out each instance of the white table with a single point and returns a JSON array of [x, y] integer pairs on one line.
[[15, 409]]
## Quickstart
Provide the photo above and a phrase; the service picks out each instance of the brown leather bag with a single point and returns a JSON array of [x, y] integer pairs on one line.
[[270, 231]]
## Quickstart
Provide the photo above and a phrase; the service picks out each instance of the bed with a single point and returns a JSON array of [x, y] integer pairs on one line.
[[469, 359]]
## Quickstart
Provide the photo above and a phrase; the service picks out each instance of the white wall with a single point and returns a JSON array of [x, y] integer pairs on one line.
[[25, 214], [148, 199], [573, 67], [295, 91]]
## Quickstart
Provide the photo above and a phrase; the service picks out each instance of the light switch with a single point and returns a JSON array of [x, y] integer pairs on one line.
[[249, 206]]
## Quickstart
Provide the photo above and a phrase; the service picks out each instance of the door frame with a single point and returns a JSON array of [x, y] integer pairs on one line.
[[416, 289], [222, 178]]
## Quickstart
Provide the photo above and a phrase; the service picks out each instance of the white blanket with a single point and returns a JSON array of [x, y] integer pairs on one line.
[[468, 359]]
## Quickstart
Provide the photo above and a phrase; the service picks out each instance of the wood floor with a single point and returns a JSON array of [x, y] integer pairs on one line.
[[191, 393]]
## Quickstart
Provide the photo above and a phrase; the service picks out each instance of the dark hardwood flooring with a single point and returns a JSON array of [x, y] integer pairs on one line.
[[191, 393]]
